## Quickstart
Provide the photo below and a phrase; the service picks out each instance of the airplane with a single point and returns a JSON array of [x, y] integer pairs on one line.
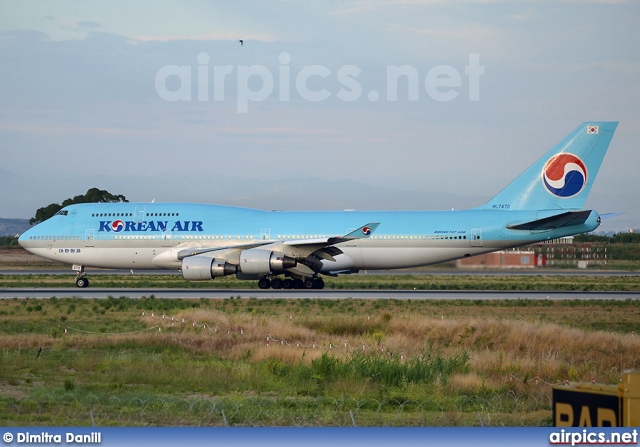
[[294, 249]]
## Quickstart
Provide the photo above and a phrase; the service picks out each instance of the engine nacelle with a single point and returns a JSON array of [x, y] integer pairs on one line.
[[202, 268], [263, 262]]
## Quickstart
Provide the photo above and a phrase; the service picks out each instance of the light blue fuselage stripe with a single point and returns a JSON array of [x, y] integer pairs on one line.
[[214, 220]]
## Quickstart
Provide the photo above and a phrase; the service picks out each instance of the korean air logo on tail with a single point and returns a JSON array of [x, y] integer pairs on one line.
[[117, 226], [564, 175], [366, 231]]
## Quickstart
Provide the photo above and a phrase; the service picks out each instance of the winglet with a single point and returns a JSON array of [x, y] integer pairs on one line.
[[363, 232]]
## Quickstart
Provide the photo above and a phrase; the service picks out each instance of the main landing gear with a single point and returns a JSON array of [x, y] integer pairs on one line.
[[81, 279], [313, 282]]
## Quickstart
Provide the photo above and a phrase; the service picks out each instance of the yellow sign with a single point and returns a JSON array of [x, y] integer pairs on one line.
[[587, 405]]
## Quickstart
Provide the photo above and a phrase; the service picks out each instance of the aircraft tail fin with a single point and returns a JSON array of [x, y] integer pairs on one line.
[[562, 178]]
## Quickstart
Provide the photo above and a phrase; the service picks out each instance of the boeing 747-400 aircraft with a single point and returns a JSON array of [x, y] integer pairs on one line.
[[291, 249]]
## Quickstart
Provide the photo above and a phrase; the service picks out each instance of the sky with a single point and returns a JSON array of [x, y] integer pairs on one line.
[[368, 104]]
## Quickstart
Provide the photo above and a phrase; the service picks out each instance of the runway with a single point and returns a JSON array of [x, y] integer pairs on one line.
[[432, 272], [331, 294]]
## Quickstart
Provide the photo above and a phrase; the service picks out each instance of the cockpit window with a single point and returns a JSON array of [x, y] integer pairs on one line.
[[62, 213]]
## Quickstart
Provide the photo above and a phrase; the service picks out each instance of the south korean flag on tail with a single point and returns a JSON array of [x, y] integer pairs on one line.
[[593, 130]]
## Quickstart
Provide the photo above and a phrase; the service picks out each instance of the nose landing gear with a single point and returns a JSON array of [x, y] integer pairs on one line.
[[81, 279], [82, 282]]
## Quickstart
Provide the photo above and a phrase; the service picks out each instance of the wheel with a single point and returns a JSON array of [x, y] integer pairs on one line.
[[276, 283], [318, 283], [287, 284], [82, 282], [308, 283], [297, 284], [264, 283]]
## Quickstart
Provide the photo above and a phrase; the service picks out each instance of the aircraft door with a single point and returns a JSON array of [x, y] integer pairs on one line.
[[166, 237], [138, 216], [266, 234], [476, 237], [89, 236]]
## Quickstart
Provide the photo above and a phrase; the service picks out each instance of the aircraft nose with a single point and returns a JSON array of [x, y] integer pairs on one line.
[[21, 239], [24, 237]]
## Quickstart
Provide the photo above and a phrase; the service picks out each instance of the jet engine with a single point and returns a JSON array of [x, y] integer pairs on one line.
[[202, 268], [256, 261]]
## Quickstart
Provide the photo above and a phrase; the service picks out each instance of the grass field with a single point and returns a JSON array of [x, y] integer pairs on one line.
[[300, 362]]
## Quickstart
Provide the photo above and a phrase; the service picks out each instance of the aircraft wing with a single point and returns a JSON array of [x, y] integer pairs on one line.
[[361, 233], [309, 252], [553, 222], [194, 251]]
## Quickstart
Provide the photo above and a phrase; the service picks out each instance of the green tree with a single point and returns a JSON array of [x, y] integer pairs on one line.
[[618, 238], [8, 241], [93, 195]]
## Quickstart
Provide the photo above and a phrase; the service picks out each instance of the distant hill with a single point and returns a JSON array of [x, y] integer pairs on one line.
[[11, 227]]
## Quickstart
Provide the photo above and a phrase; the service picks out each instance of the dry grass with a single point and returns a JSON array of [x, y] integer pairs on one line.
[[508, 344], [499, 347], [263, 348], [524, 347]]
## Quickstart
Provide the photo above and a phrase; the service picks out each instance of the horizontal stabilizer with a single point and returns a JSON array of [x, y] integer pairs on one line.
[[553, 222]]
